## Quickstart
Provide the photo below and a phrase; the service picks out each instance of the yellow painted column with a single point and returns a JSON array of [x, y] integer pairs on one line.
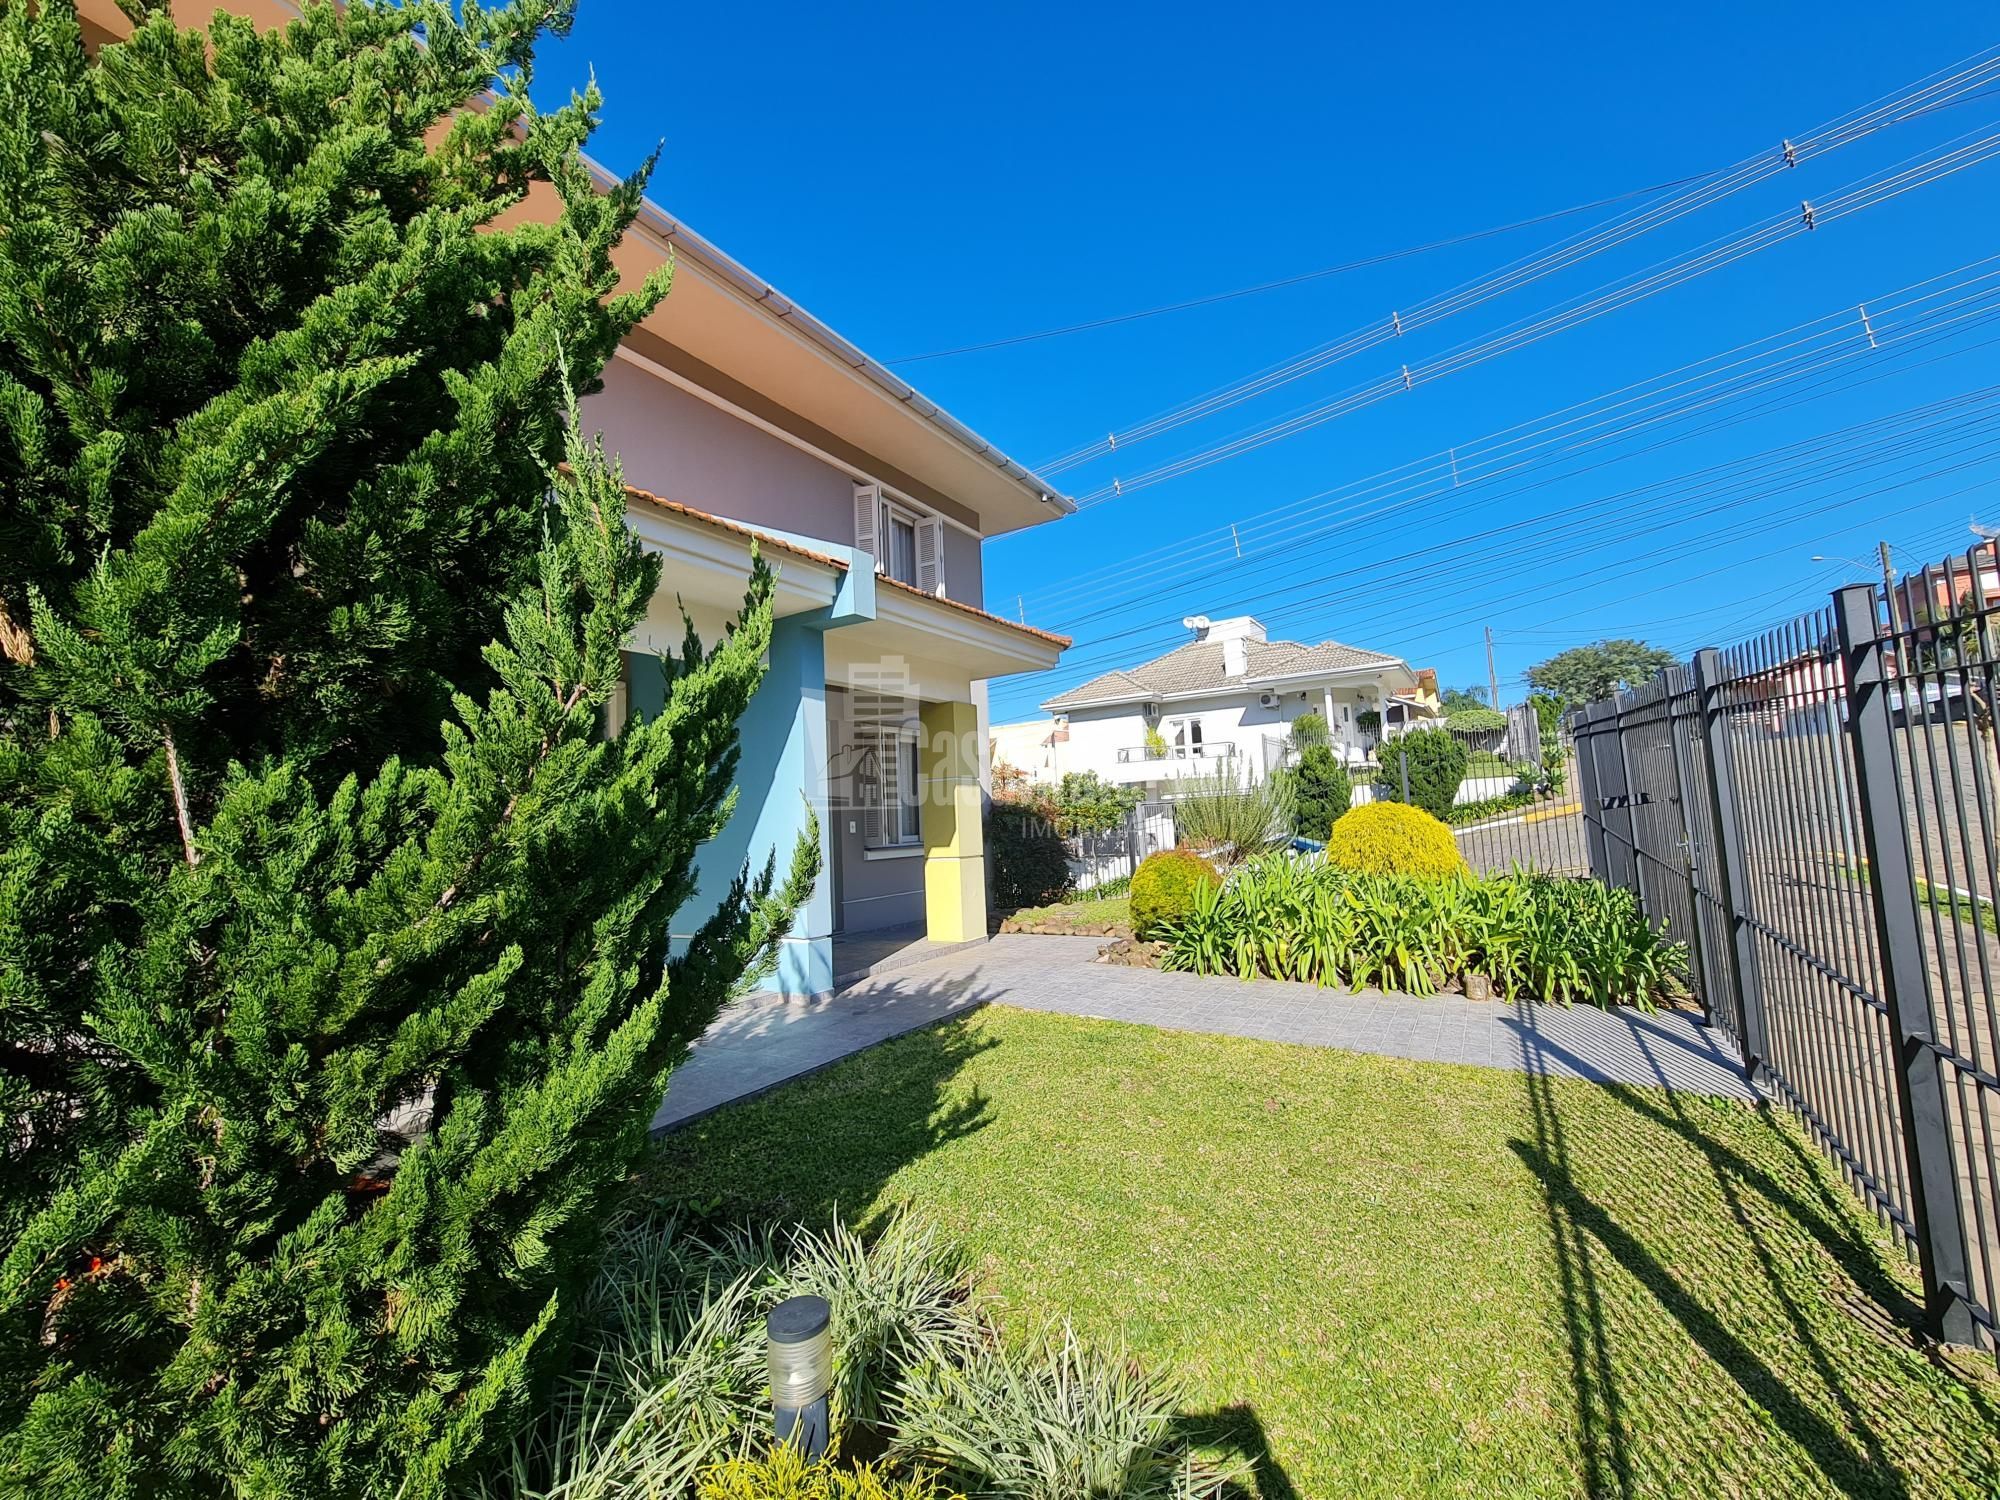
[[954, 836]]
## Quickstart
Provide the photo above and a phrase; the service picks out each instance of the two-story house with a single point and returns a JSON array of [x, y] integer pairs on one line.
[[741, 419], [1226, 698]]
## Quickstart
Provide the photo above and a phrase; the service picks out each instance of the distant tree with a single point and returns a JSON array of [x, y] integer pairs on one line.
[[1457, 700], [1086, 803], [1583, 674], [1475, 720]]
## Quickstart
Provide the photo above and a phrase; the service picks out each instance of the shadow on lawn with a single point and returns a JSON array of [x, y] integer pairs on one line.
[[835, 1140], [1236, 1434], [1741, 1246], [806, 1147]]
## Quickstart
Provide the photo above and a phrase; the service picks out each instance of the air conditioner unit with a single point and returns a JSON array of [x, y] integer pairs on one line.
[[1268, 700]]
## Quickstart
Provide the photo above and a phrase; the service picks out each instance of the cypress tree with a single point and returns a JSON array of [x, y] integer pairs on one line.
[[333, 993]]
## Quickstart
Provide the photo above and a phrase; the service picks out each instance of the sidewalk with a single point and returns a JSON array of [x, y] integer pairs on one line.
[[767, 1041]]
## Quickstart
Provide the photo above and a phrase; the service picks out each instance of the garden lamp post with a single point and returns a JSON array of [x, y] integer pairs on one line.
[[801, 1364]]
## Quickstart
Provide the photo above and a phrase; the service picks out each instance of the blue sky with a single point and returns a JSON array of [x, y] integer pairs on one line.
[[924, 177]]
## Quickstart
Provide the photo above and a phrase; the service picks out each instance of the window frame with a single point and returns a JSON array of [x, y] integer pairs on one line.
[[892, 515]]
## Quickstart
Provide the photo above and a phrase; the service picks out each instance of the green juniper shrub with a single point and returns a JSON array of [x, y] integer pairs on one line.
[[1321, 792], [1435, 762], [1163, 889], [334, 1004], [1029, 860]]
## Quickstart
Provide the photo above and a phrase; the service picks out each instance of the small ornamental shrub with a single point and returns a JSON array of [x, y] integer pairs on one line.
[[1476, 721], [1321, 792], [1030, 863], [1308, 730], [1390, 838], [785, 1474], [1435, 763], [1163, 889]]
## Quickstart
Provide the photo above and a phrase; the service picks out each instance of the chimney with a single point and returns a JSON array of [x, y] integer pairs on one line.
[[1235, 656]]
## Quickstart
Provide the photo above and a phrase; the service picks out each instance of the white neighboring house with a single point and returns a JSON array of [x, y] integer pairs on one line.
[[1228, 696]]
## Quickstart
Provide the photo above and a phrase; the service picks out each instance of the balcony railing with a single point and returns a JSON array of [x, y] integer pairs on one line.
[[1211, 750]]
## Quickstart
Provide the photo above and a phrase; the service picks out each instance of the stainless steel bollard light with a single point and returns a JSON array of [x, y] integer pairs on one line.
[[801, 1370]]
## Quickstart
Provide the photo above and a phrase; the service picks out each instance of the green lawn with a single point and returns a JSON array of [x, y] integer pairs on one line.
[[1391, 1279]]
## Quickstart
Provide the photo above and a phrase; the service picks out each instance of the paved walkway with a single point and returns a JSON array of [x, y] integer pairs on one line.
[[766, 1041]]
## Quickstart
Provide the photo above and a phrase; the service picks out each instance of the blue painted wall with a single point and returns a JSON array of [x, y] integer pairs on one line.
[[781, 772]]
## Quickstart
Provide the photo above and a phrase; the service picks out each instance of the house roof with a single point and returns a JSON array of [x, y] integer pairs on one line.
[[1198, 667], [769, 543]]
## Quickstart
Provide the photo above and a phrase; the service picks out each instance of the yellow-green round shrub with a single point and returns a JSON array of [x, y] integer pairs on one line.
[[1163, 889], [785, 1475], [1393, 838]]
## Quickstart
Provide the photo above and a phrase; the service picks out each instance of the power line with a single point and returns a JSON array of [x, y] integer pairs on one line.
[[1857, 449], [1567, 430], [1611, 297], [1924, 97], [1908, 320], [1301, 278]]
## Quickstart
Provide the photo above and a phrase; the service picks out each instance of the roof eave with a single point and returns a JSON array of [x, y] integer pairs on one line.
[[762, 295]]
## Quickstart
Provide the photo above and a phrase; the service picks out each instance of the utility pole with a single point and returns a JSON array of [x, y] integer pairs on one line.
[[1889, 588], [1492, 677]]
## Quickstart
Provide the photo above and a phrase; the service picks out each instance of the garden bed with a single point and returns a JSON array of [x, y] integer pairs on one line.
[[1387, 1279], [1083, 916]]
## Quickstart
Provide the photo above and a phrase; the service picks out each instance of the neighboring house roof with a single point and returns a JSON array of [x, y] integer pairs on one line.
[[1198, 667]]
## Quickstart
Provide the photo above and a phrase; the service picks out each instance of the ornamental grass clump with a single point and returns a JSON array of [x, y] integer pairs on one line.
[[1163, 890], [667, 1396], [1537, 937], [1058, 1419], [1393, 838]]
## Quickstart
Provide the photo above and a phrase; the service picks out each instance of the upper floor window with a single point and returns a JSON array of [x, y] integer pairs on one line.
[[906, 544]]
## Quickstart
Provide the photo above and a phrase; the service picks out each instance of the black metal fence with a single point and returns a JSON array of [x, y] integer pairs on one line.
[[1814, 812]]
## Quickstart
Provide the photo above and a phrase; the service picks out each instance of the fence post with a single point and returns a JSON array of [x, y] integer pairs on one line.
[[1676, 747], [1732, 869], [1614, 794], [1583, 736], [1632, 797], [1935, 1211]]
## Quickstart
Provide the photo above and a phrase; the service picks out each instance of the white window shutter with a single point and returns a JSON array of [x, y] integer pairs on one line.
[[868, 520], [930, 555]]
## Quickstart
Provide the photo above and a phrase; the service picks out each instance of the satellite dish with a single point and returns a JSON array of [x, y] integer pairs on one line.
[[1985, 533], [1195, 622]]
